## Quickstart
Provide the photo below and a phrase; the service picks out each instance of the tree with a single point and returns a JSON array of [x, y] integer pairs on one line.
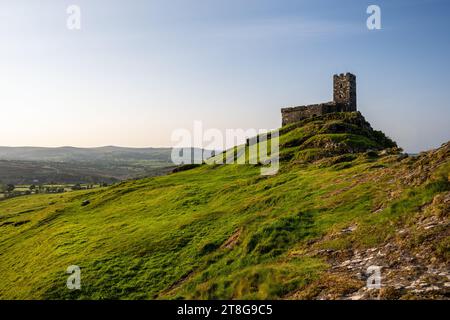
[[10, 187]]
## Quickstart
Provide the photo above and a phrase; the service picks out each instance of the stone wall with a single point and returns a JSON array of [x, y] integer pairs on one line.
[[294, 114], [344, 95]]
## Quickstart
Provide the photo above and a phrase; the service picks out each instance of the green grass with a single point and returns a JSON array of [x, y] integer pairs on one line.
[[172, 236]]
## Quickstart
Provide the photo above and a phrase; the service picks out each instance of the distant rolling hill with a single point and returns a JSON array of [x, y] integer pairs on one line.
[[70, 154], [26, 165]]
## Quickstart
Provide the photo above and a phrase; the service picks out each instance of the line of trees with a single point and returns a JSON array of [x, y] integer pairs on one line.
[[9, 190], [6, 188]]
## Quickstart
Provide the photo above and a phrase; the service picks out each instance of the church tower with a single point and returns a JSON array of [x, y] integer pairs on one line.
[[344, 91]]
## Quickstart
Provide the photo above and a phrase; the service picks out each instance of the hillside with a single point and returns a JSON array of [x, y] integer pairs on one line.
[[345, 198]]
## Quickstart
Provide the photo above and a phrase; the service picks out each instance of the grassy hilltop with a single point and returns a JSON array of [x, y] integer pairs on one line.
[[344, 199]]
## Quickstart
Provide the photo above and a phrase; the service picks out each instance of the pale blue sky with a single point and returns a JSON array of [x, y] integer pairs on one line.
[[137, 70]]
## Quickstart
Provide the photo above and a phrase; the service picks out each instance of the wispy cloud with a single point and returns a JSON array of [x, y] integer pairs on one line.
[[281, 28]]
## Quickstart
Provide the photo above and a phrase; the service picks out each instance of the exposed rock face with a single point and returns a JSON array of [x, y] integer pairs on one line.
[[344, 100], [413, 262]]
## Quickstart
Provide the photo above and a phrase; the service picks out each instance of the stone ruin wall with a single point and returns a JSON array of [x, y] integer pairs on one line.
[[294, 114]]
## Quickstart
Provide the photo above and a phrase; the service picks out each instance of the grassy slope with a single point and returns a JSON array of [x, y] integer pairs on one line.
[[221, 231]]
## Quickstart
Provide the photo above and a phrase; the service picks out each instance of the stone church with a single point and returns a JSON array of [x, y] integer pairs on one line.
[[344, 100]]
